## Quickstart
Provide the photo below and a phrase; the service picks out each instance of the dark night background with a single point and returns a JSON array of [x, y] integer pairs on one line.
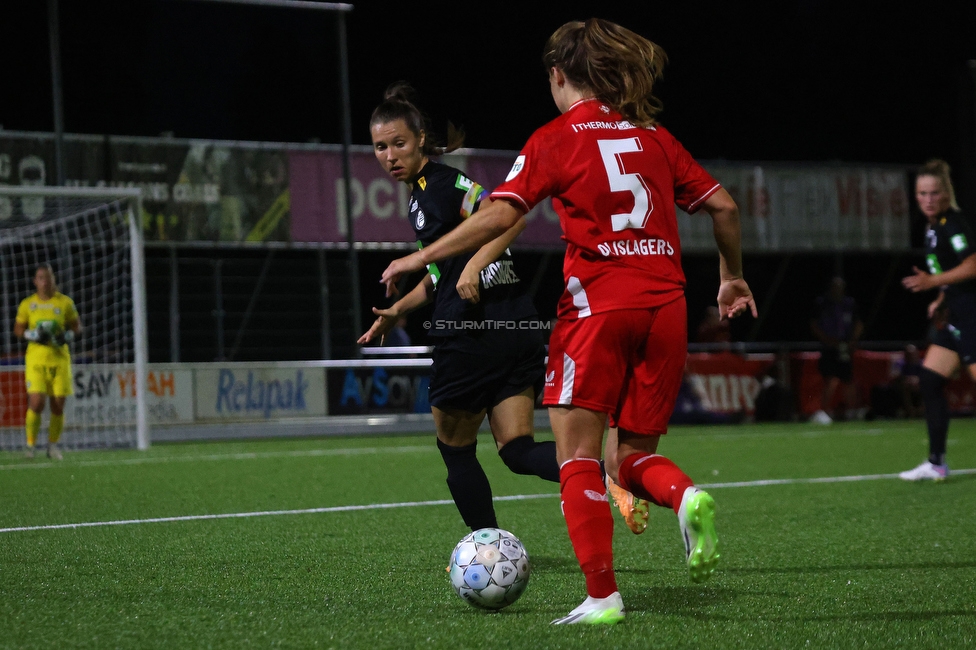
[[801, 80], [806, 80]]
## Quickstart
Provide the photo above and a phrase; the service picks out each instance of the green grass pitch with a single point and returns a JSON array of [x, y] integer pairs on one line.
[[875, 562]]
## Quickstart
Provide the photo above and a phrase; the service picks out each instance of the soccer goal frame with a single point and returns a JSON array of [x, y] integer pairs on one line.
[[128, 205]]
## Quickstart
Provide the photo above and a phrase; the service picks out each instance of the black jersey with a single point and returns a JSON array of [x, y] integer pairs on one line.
[[948, 242], [442, 197]]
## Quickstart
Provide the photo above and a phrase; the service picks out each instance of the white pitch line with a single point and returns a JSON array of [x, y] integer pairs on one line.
[[827, 479], [349, 451], [440, 502], [264, 513]]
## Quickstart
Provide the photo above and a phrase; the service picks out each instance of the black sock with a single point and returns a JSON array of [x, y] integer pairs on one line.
[[936, 414], [469, 485], [523, 455]]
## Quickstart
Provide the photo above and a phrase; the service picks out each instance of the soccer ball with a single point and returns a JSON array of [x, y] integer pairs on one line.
[[489, 568]]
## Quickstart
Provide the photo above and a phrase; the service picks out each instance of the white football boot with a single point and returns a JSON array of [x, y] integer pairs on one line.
[[696, 517], [926, 472], [596, 611]]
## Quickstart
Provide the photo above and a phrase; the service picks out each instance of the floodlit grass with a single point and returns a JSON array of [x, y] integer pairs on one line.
[[869, 563]]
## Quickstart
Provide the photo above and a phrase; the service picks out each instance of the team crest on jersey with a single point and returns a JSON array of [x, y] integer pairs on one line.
[[604, 108], [930, 238], [33, 306], [57, 310], [516, 168], [421, 219]]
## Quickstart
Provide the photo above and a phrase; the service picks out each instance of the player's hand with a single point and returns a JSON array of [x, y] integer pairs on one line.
[[934, 306], [32, 335], [734, 297], [64, 336], [469, 286], [918, 281], [43, 335], [386, 319], [397, 269]]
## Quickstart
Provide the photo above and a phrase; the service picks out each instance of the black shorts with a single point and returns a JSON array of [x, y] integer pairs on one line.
[[476, 371], [831, 365], [960, 338]]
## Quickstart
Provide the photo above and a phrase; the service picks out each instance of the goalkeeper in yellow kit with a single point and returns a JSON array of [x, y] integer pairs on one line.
[[48, 320]]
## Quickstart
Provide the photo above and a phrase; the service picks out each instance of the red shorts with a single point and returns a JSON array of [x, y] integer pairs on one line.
[[626, 363]]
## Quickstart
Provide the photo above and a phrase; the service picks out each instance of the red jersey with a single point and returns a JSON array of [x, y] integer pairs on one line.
[[614, 187]]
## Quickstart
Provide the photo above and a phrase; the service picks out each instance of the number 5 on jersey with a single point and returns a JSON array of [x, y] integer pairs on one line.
[[622, 181]]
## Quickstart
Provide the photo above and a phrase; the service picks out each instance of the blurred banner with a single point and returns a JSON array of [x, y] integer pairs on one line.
[[379, 203], [106, 395], [357, 391], [236, 392], [200, 190], [193, 190], [810, 207], [723, 387]]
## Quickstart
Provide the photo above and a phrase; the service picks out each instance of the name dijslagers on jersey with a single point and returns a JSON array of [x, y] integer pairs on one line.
[[600, 124], [635, 247], [487, 324]]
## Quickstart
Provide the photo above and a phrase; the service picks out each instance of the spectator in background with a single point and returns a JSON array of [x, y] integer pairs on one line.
[[713, 328], [691, 406], [776, 401], [901, 395], [397, 336], [908, 382], [837, 327]]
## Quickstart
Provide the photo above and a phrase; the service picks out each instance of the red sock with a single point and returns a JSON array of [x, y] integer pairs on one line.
[[654, 478], [587, 513]]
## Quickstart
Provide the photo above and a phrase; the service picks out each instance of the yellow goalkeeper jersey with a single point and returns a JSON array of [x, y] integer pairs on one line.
[[53, 314]]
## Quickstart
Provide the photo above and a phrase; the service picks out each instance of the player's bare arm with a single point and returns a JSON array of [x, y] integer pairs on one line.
[[922, 281], [734, 294], [473, 233], [419, 296], [468, 285]]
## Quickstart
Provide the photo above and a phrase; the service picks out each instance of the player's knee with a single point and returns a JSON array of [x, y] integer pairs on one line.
[[513, 454]]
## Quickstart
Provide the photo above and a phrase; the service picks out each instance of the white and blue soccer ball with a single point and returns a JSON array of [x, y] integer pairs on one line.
[[489, 568]]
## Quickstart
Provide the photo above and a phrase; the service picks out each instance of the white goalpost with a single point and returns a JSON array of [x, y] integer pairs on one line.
[[92, 238]]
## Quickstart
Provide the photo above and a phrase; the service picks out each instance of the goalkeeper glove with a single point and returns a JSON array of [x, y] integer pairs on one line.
[[38, 335], [63, 337]]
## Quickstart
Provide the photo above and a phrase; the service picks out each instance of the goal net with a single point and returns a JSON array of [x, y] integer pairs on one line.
[[92, 239]]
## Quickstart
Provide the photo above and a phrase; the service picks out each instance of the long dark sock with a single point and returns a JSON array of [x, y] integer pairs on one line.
[[523, 455], [469, 485], [936, 414]]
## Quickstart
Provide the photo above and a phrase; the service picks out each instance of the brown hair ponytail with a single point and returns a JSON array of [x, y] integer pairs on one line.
[[615, 64]]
